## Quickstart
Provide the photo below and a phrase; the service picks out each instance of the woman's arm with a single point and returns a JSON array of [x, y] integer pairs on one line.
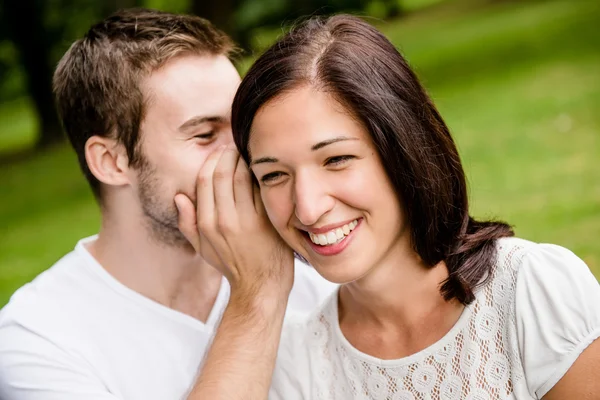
[[241, 359], [582, 380], [229, 228], [557, 313]]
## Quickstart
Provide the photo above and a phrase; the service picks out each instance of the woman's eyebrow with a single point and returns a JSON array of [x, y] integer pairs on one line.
[[315, 147], [264, 160], [327, 142]]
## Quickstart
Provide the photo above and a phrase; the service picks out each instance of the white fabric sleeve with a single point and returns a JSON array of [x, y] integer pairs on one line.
[[557, 310], [33, 368], [292, 375]]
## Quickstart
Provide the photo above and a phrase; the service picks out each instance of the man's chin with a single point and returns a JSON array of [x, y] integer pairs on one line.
[[166, 234]]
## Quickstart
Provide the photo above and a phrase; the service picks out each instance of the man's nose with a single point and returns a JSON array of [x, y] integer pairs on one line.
[[227, 137]]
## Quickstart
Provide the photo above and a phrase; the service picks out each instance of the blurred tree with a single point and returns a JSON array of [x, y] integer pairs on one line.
[[393, 7], [41, 30], [219, 12], [110, 6], [23, 21], [252, 14], [222, 14]]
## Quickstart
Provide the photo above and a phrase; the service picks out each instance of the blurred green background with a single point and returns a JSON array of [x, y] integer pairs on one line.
[[517, 81]]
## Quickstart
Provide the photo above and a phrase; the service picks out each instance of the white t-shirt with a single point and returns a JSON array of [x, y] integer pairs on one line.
[[77, 333], [526, 327]]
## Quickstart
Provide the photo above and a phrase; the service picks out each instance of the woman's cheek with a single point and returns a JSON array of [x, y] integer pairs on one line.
[[276, 209]]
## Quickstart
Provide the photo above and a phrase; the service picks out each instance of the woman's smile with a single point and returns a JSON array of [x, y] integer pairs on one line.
[[331, 242]]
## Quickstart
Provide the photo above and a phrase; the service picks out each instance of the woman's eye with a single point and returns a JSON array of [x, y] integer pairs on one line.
[[338, 160], [271, 177]]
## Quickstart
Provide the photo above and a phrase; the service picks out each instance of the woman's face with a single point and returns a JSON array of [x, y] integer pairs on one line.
[[324, 186]]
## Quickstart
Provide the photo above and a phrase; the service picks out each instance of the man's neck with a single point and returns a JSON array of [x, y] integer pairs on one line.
[[173, 276]]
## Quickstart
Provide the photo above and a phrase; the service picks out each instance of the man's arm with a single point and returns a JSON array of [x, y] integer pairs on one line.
[[230, 229], [32, 367]]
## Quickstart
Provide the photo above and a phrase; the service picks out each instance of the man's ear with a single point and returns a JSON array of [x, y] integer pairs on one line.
[[107, 160]]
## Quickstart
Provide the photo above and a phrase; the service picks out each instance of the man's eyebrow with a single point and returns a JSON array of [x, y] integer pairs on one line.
[[195, 121], [327, 142], [263, 160]]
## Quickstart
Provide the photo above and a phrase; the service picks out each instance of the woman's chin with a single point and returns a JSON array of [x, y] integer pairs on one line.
[[339, 273]]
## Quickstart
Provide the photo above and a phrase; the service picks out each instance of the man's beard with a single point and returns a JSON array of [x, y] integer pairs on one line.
[[160, 215]]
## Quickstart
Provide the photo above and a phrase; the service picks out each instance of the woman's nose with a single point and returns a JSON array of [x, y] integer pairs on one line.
[[312, 199]]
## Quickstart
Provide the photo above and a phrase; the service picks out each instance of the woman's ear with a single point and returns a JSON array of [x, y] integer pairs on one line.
[[107, 160]]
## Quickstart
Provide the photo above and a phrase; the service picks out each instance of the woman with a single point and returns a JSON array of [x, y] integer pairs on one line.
[[359, 175]]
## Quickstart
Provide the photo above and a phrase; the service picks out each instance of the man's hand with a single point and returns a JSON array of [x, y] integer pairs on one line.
[[231, 230]]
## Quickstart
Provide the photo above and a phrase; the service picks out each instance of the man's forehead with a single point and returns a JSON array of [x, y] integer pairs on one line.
[[193, 89]]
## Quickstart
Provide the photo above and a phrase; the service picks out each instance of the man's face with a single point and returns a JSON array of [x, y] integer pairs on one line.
[[187, 117]]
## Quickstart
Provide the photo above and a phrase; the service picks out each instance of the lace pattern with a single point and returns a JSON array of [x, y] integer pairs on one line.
[[477, 360]]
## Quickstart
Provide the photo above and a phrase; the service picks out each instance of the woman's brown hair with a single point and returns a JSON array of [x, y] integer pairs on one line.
[[354, 62]]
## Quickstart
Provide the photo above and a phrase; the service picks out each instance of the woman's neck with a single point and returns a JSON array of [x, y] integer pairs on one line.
[[397, 309]]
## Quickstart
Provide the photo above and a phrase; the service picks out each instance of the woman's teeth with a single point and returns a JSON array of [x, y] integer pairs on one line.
[[333, 236]]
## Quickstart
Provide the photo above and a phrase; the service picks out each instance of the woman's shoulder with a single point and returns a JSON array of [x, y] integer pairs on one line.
[[552, 301], [299, 329], [548, 262], [539, 275]]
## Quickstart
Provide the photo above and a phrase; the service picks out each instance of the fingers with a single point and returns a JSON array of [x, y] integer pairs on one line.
[[223, 188], [206, 215], [242, 189], [186, 220], [230, 229], [189, 228], [258, 204]]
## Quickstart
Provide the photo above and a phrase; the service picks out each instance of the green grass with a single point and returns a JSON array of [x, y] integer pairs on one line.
[[45, 208], [18, 125], [520, 88], [518, 84]]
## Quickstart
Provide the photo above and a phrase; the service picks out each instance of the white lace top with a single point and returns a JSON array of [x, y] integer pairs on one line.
[[528, 324]]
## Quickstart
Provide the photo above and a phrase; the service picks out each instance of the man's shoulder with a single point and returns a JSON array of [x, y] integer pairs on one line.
[[60, 312], [47, 295], [45, 340], [310, 289]]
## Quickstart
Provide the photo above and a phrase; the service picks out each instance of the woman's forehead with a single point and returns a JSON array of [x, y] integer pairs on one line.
[[303, 116]]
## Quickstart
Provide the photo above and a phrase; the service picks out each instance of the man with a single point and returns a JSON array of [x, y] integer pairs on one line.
[[145, 99]]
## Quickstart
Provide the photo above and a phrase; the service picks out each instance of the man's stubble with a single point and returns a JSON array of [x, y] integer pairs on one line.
[[160, 213]]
